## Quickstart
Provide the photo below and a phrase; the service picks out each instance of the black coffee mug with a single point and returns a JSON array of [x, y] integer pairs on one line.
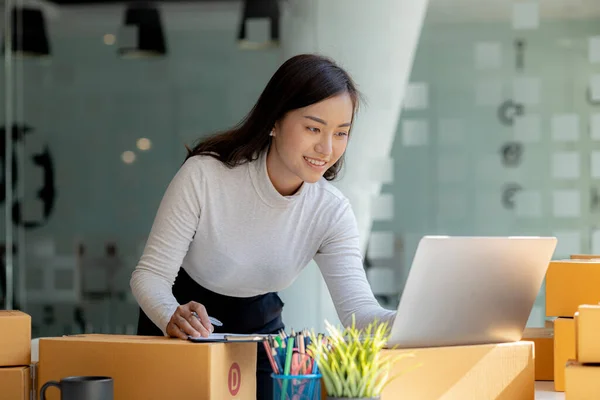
[[82, 388]]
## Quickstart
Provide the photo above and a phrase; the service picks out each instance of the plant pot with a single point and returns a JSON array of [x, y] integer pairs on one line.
[[353, 398]]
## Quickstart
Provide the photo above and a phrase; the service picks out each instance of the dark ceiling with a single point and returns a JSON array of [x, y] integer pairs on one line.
[[75, 2]]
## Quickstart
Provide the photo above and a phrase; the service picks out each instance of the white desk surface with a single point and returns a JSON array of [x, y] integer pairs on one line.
[[545, 391]]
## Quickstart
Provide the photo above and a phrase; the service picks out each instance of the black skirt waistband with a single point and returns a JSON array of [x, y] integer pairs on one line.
[[256, 314]]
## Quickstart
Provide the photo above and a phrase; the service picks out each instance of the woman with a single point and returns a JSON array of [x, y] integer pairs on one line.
[[250, 208]]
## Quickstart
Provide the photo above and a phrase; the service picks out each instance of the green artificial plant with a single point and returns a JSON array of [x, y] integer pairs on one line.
[[351, 362]]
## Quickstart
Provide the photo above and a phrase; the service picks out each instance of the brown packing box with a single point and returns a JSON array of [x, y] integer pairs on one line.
[[587, 333], [34, 371], [496, 371], [582, 382], [543, 339], [152, 367], [15, 338], [564, 349], [570, 283], [585, 257], [15, 383], [576, 327]]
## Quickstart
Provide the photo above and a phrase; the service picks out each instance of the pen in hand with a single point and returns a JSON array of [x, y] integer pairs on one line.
[[190, 319], [213, 321]]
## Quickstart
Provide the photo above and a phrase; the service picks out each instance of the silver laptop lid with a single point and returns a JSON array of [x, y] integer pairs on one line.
[[470, 290]]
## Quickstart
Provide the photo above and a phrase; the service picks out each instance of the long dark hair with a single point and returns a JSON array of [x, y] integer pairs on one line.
[[299, 82]]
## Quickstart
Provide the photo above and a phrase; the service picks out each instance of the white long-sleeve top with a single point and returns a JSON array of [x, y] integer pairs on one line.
[[235, 235]]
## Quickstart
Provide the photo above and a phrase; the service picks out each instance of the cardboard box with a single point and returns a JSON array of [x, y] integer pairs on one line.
[[15, 383], [543, 351], [564, 349], [570, 283], [585, 257], [15, 338], [33, 368], [153, 367], [582, 382], [496, 371], [587, 333], [576, 326]]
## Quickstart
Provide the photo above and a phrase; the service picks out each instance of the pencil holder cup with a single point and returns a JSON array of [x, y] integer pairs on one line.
[[296, 387]]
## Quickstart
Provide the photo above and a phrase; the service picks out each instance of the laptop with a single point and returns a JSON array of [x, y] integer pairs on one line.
[[470, 290]]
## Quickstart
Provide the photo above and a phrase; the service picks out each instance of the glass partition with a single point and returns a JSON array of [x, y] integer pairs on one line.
[[500, 129], [499, 135], [103, 118]]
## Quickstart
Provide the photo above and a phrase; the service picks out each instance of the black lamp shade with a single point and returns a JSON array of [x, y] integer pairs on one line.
[[29, 32], [260, 9], [150, 35]]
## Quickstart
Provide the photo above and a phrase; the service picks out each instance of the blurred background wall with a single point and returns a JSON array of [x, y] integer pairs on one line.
[[482, 118]]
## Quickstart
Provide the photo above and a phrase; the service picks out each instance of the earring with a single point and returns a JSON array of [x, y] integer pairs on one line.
[[272, 133]]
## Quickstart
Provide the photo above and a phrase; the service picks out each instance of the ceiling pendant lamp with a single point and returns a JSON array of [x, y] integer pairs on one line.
[[259, 9], [28, 35], [147, 37]]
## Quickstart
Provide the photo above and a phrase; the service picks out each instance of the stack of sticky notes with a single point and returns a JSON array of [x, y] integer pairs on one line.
[[582, 373], [569, 284]]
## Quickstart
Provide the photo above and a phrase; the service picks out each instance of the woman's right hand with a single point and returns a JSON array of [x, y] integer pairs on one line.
[[184, 323]]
